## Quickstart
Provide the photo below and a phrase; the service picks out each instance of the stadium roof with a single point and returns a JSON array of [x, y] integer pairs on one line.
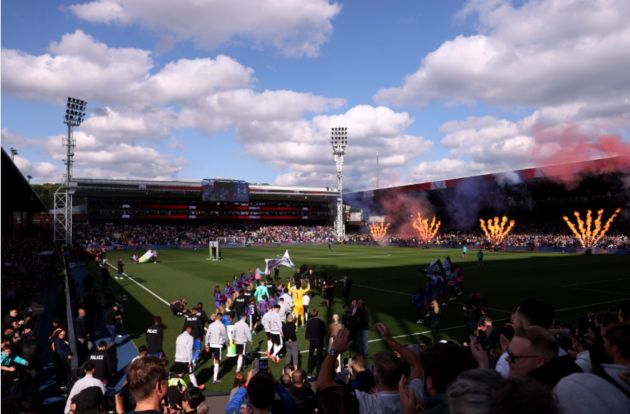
[[92, 184], [17, 194], [555, 171]]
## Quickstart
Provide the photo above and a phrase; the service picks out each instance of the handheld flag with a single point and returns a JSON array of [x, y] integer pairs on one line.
[[285, 260]]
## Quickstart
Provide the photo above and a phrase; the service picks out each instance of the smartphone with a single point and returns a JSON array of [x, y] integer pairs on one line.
[[256, 366]]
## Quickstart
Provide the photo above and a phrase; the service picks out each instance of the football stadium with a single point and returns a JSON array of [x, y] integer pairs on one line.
[[226, 207]]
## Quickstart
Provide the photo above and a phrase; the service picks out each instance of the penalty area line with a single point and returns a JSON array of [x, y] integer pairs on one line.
[[143, 287]]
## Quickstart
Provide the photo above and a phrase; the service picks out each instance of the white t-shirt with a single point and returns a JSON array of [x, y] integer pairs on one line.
[[306, 300], [383, 402]]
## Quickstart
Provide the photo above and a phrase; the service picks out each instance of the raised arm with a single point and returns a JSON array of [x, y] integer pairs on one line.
[[405, 353]]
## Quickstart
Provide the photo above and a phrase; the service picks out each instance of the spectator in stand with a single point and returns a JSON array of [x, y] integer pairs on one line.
[[148, 384], [533, 353], [62, 362], [239, 381], [361, 378], [617, 345], [84, 383], [441, 364], [301, 392], [10, 374], [154, 337], [483, 391], [192, 400], [315, 333], [260, 390]]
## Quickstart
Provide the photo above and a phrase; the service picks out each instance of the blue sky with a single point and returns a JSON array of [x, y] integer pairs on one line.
[[249, 89]]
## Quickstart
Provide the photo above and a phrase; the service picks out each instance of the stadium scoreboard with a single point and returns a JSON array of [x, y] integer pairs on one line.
[[224, 191]]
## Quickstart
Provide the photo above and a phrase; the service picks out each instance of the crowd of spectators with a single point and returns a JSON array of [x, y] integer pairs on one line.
[[527, 365], [530, 240], [114, 236], [141, 236], [29, 269]]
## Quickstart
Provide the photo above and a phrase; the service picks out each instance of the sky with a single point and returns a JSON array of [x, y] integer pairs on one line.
[[249, 89]]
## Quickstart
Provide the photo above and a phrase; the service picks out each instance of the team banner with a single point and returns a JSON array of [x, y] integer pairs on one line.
[[285, 260], [149, 256]]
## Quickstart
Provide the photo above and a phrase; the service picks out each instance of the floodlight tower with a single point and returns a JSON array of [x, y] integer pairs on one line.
[[339, 140], [75, 114]]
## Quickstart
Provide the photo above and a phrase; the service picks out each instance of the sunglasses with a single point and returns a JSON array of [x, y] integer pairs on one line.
[[515, 358]]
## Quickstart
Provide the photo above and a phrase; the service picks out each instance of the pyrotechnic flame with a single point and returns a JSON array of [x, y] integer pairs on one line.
[[378, 230], [589, 233], [496, 231], [426, 230]]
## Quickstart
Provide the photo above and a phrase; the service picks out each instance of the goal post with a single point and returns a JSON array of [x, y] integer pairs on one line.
[[214, 252]]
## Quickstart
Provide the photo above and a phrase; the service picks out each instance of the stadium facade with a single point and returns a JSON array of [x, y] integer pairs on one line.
[[536, 197], [186, 202]]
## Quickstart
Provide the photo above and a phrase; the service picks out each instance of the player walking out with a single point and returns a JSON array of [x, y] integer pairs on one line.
[[275, 332], [297, 293], [216, 337], [184, 354], [242, 335]]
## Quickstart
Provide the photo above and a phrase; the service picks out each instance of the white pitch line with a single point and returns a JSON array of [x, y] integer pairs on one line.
[[143, 287]]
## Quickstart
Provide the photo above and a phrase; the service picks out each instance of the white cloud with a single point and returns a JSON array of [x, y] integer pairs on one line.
[[560, 59], [294, 27], [303, 147], [141, 105], [39, 171], [446, 168], [545, 52], [19, 141], [100, 158], [78, 65]]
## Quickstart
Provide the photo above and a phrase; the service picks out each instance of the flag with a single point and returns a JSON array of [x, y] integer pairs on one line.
[[258, 274], [448, 265], [285, 260], [435, 268]]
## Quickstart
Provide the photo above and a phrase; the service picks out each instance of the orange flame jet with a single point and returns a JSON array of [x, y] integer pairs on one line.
[[589, 232], [495, 230]]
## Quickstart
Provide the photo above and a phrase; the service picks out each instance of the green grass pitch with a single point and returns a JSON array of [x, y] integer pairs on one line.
[[384, 276]]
